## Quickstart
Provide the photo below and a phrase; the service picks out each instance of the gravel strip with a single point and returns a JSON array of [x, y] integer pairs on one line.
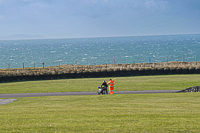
[[6, 101]]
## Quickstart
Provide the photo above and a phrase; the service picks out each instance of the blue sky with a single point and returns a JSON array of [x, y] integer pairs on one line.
[[99, 18]]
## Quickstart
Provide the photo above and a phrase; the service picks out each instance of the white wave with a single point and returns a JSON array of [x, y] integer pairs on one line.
[[128, 56], [93, 58]]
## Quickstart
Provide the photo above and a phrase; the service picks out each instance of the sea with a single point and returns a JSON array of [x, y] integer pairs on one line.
[[102, 50]]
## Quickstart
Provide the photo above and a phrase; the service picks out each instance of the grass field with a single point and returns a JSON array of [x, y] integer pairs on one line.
[[162, 82], [167, 112], [177, 112]]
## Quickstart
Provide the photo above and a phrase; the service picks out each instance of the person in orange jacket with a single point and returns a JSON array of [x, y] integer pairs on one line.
[[111, 86]]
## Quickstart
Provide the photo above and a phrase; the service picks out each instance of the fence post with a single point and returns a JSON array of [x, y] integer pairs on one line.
[[149, 60], [33, 64], [183, 58], [133, 60], [43, 64], [167, 59], [8, 66], [114, 61], [196, 60], [23, 65], [94, 62], [75, 64], [59, 64]]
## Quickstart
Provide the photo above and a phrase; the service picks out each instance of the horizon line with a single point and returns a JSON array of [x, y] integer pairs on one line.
[[91, 36]]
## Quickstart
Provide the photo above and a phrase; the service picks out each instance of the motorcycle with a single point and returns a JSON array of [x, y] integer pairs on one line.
[[101, 91]]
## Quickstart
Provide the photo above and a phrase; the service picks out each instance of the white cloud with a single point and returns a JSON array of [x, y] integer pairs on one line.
[[156, 5]]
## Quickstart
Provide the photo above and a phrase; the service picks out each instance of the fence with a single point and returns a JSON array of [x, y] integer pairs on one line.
[[101, 73], [103, 70], [43, 63]]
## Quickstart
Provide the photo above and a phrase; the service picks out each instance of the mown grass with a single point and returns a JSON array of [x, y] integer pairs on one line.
[[162, 82], [176, 112]]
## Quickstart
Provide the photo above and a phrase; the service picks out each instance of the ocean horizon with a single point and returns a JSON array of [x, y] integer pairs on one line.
[[99, 50]]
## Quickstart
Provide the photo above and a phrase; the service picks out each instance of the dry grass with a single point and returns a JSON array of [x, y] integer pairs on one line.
[[69, 68]]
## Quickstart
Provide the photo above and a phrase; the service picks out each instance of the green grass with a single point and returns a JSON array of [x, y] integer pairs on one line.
[[162, 82], [146, 113], [176, 112]]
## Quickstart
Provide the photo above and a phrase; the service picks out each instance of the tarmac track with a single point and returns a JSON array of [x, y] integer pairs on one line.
[[81, 93], [15, 96]]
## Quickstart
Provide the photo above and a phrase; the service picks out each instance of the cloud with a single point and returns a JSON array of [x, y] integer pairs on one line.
[[92, 1], [156, 5], [58, 17], [31, 8], [150, 4]]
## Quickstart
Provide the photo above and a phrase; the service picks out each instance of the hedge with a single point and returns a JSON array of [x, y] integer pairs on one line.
[[102, 73]]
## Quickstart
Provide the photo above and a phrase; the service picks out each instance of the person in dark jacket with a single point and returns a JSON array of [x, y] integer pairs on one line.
[[104, 85]]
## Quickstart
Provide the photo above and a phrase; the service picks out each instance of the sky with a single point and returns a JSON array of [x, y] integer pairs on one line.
[[99, 18]]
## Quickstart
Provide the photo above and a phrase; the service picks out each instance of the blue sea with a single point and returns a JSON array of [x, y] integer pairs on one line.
[[87, 51]]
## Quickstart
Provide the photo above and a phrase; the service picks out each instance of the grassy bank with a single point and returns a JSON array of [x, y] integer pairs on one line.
[[177, 112], [70, 68], [161, 82]]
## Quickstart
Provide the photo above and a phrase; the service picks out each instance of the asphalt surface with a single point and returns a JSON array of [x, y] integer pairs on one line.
[[80, 93], [15, 96]]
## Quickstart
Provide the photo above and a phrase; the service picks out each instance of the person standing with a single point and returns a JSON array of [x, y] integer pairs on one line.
[[111, 86]]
